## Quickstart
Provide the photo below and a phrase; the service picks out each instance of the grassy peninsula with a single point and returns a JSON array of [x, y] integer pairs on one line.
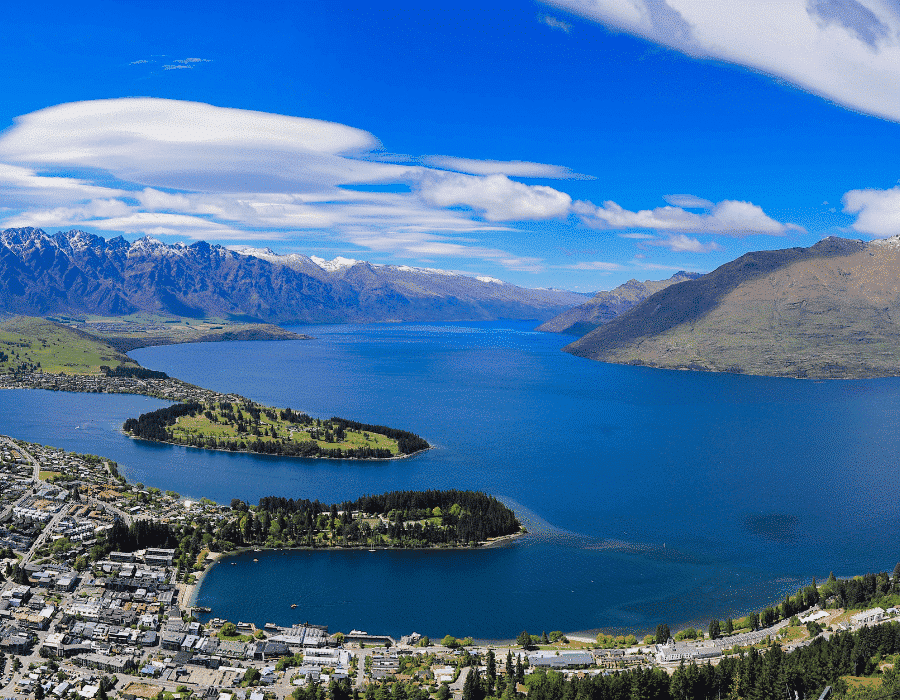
[[249, 427]]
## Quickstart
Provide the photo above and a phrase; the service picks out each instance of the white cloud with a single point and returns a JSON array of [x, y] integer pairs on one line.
[[846, 51], [878, 211], [25, 184], [197, 171], [687, 201], [728, 217], [679, 243], [555, 23], [513, 168], [500, 198]]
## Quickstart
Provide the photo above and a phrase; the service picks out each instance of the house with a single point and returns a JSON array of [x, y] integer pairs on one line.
[[867, 617], [172, 640], [560, 659]]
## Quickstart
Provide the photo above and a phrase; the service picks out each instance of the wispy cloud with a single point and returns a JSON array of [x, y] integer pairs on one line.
[[555, 23], [512, 168], [175, 64], [843, 50], [596, 265]]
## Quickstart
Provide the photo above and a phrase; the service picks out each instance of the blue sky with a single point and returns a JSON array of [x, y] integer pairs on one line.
[[574, 144]]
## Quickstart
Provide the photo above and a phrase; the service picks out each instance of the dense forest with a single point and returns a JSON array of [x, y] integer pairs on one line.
[[252, 435], [153, 425], [398, 519]]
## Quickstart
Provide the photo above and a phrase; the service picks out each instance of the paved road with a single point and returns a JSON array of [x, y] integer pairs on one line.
[[35, 465], [45, 533], [118, 512]]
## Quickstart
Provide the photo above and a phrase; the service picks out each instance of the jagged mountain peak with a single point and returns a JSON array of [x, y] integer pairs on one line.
[[339, 263], [76, 272]]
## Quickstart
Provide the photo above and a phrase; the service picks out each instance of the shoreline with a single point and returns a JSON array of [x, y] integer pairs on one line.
[[265, 454], [174, 400], [189, 592]]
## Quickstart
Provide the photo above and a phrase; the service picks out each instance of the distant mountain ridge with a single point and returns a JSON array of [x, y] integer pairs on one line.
[[828, 311], [76, 272], [605, 306]]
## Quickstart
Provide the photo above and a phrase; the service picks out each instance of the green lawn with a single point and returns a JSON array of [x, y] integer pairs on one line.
[[222, 426]]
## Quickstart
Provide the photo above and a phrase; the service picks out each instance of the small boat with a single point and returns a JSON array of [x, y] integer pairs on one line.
[[371, 550], [256, 560], [293, 605]]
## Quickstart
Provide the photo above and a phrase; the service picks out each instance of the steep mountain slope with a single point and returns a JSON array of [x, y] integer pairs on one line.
[[77, 272], [828, 311], [605, 306]]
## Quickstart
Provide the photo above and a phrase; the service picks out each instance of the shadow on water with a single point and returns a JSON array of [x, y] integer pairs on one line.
[[775, 527]]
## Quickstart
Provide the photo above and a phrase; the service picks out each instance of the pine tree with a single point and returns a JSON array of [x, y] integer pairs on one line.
[[491, 675]]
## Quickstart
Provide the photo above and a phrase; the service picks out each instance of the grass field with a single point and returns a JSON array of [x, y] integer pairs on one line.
[[240, 425], [37, 344]]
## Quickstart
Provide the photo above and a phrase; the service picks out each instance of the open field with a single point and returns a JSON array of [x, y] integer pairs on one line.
[[268, 425], [35, 344], [245, 426]]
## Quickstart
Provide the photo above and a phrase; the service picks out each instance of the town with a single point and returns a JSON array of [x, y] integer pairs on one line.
[[80, 621]]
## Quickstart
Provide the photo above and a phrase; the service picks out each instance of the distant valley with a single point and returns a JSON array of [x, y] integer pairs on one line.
[[828, 311], [72, 273]]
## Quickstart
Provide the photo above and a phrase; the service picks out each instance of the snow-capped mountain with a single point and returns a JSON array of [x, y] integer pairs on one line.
[[77, 272]]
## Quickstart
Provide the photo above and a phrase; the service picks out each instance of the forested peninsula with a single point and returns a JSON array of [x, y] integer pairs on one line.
[[249, 427], [399, 519]]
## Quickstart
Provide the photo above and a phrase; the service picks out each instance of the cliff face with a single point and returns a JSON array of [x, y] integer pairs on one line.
[[828, 311], [605, 306], [76, 272]]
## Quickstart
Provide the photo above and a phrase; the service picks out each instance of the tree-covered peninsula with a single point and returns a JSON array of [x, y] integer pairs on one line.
[[399, 519], [249, 427]]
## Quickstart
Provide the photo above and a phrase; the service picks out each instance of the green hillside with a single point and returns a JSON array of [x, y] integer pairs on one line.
[[30, 344]]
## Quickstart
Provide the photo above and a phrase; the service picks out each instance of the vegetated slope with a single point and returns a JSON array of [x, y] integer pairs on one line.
[[30, 344], [605, 306], [827, 311], [77, 273]]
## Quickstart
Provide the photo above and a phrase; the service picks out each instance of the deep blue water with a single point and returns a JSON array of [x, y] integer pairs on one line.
[[654, 496]]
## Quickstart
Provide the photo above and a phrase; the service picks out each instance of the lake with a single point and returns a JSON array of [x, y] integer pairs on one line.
[[653, 496]]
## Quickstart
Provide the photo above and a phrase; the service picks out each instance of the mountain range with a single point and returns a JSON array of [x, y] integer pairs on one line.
[[831, 310], [75, 272], [603, 307]]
